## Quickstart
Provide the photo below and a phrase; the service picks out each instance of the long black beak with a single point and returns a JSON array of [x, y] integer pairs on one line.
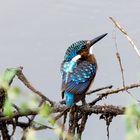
[[93, 41]]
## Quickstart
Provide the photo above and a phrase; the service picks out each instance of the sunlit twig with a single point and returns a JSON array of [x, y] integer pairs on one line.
[[126, 35]]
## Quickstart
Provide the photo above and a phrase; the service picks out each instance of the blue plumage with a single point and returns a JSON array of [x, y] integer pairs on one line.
[[74, 49], [76, 75], [68, 68], [78, 70], [69, 99], [79, 79]]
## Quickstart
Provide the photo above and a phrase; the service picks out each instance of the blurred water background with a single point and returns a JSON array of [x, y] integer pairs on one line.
[[36, 33]]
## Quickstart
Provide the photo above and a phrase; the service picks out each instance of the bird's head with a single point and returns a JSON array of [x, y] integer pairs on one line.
[[79, 47]]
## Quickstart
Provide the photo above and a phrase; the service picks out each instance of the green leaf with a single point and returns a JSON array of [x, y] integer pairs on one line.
[[13, 93], [132, 115], [45, 110], [24, 108], [8, 109], [7, 77]]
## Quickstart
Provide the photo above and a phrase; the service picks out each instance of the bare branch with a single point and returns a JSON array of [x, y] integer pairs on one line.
[[126, 35], [61, 114], [119, 60], [86, 108], [78, 114], [110, 92], [99, 89], [22, 77], [105, 109]]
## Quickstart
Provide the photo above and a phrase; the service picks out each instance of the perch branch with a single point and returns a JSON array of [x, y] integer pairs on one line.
[[105, 109], [97, 109]]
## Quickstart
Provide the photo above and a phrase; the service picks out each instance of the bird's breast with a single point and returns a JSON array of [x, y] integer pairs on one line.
[[91, 59]]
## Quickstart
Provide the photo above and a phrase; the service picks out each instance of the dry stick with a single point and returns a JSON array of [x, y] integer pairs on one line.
[[108, 118], [96, 109], [82, 125], [19, 114], [61, 114], [63, 126], [120, 89], [71, 120], [31, 120], [40, 127], [60, 108], [91, 92], [118, 56], [121, 66], [119, 59], [75, 114], [104, 109], [24, 125], [99, 89], [110, 92], [33, 116], [22, 77], [126, 35], [91, 110]]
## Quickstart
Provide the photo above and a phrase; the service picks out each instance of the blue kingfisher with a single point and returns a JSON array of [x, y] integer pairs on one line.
[[78, 70]]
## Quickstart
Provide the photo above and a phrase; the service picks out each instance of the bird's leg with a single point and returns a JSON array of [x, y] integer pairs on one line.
[[83, 101]]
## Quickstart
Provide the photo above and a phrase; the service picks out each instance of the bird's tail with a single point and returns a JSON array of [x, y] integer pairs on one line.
[[69, 99]]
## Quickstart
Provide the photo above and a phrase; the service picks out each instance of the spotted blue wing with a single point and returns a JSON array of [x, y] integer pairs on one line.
[[81, 77], [67, 69]]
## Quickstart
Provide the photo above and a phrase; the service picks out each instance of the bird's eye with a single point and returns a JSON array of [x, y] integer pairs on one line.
[[82, 49]]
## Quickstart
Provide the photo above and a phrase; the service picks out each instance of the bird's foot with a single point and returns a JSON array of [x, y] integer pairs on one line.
[[84, 101]]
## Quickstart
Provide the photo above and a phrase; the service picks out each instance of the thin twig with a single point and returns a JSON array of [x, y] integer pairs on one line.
[[121, 66], [22, 77], [38, 126], [99, 89], [61, 114], [82, 125], [110, 92], [120, 89], [19, 114], [35, 126], [119, 59], [116, 23], [33, 116]]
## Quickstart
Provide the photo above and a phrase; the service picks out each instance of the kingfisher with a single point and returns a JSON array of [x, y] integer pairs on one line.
[[78, 70]]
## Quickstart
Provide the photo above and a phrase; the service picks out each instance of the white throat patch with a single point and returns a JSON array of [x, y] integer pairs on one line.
[[76, 58], [90, 50]]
